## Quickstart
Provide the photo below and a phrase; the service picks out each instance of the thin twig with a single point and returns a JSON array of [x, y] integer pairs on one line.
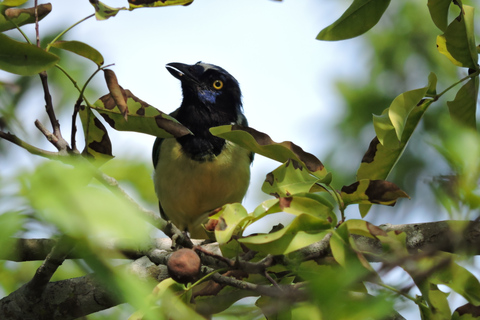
[[37, 32], [33, 150], [60, 144], [76, 108], [290, 292]]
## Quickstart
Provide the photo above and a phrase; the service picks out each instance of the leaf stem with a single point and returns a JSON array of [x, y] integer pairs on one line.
[[66, 30], [470, 76], [399, 292]]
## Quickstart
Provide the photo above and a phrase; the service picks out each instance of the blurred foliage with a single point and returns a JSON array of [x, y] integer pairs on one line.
[[400, 52]]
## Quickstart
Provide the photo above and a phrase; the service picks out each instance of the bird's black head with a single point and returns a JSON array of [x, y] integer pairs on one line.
[[211, 97], [210, 90]]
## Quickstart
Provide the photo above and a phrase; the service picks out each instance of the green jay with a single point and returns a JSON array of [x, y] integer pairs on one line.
[[198, 173]]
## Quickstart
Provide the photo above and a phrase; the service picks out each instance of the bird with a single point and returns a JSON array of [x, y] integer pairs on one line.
[[198, 173]]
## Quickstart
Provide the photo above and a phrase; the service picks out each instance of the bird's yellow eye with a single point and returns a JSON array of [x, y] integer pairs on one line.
[[218, 84]]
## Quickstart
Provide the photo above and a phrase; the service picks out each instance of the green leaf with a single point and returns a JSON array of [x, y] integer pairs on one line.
[[385, 130], [459, 280], [104, 12], [438, 307], [390, 125], [157, 3], [458, 41], [261, 143], [13, 3], [345, 254], [17, 17], [308, 203], [439, 12], [82, 49], [232, 219], [304, 230], [142, 117], [265, 208], [378, 161], [360, 17], [24, 59], [289, 179], [98, 146], [364, 228], [401, 107], [463, 108]]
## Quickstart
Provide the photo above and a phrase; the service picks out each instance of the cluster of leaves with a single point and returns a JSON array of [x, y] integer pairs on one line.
[[301, 186]]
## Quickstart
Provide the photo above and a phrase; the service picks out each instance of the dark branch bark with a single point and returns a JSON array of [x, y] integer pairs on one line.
[[71, 298], [441, 235], [44, 273]]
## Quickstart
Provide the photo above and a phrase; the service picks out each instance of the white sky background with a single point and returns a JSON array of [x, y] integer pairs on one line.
[[286, 76]]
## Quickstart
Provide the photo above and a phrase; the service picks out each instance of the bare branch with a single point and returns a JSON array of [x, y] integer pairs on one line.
[[60, 142]]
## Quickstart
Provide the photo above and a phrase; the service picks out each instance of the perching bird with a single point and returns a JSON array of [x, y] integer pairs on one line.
[[198, 173]]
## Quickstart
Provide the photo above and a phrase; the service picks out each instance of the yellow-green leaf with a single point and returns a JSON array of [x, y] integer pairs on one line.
[[104, 12], [232, 219], [82, 49], [304, 230]]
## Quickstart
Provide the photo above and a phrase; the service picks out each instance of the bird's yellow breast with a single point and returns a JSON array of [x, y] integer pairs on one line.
[[189, 189]]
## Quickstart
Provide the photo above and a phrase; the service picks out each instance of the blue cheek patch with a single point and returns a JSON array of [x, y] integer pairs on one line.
[[208, 96]]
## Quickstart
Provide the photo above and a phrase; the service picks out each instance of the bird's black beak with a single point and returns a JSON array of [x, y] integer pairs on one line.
[[181, 71]]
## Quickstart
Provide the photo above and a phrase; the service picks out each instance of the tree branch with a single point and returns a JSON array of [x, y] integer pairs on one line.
[[72, 298], [35, 287], [429, 236]]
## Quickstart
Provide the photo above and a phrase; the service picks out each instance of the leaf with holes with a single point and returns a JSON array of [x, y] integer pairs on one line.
[[304, 230], [372, 192], [289, 179], [142, 117], [98, 146], [261, 143]]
